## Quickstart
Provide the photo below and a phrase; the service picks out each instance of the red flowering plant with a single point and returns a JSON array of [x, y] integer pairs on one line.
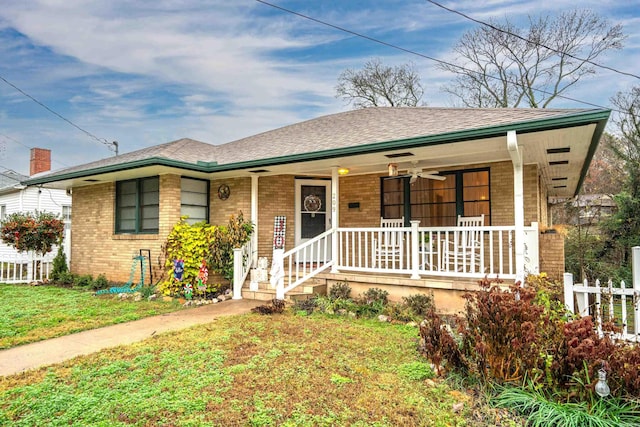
[[32, 232]]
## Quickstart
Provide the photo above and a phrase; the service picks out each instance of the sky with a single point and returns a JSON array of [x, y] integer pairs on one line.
[[147, 72]]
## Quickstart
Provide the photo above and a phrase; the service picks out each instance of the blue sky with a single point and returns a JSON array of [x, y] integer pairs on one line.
[[148, 72]]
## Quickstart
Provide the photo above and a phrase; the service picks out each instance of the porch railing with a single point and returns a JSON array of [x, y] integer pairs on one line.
[[243, 259], [304, 262], [435, 251], [618, 304], [25, 268]]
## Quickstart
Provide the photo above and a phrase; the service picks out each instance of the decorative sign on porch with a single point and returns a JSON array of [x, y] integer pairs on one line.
[[279, 230]]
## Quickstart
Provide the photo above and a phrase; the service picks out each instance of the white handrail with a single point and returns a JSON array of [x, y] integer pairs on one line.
[[305, 261], [243, 259]]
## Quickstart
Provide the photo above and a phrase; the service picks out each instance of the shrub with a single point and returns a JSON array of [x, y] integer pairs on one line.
[[399, 312], [306, 305], [276, 306], [373, 296], [31, 232], [420, 304], [101, 282], [83, 281], [340, 290], [225, 239], [59, 265], [190, 243], [65, 278]]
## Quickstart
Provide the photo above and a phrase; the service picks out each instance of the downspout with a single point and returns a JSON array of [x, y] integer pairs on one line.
[[515, 152], [335, 219]]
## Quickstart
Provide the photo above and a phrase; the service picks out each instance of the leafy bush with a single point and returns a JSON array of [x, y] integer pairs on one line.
[[225, 239], [375, 296], [399, 312], [101, 282], [420, 304], [64, 278], [83, 281], [31, 232], [306, 305], [340, 290], [523, 336], [190, 243]]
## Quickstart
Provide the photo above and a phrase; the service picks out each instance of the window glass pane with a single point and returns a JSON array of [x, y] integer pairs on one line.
[[150, 184], [151, 198], [312, 224], [194, 199], [127, 187], [150, 224], [194, 185], [197, 213], [128, 213], [127, 225]]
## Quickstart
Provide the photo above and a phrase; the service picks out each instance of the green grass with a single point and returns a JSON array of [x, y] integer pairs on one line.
[[250, 370], [35, 313]]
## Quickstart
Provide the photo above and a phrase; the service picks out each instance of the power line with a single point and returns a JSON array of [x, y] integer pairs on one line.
[[412, 52], [26, 146], [493, 27], [100, 140]]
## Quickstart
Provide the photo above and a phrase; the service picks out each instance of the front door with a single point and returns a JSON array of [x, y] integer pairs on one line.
[[313, 210]]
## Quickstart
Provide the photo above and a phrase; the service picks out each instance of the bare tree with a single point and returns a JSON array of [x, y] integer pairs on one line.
[[378, 85], [500, 65]]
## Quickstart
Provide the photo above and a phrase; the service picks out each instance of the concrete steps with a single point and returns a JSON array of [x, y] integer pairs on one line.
[[312, 287]]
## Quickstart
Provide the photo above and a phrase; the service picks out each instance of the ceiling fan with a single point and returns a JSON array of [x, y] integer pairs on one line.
[[417, 172]]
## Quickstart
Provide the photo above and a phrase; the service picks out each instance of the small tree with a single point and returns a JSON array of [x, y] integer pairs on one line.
[[32, 232], [226, 239]]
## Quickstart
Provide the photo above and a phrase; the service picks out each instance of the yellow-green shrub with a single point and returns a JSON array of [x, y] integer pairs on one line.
[[191, 243]]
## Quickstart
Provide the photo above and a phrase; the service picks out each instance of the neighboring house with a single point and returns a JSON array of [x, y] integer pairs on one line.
[[16, 197], [342, 173], [585, 209]]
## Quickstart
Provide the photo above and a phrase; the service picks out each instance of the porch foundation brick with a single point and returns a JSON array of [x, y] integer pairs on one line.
[[552, 255]]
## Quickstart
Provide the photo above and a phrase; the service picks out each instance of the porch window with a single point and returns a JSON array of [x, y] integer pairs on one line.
[[194, 200], [138, 205], [438, 203]]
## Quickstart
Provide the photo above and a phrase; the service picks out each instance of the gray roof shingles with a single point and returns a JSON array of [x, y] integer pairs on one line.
[[340, 130]]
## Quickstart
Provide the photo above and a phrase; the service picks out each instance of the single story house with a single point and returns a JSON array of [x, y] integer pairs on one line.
[[322, 188]]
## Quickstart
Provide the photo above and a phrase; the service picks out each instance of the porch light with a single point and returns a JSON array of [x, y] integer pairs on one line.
[[602, 388], [343, 171], [393, 169]]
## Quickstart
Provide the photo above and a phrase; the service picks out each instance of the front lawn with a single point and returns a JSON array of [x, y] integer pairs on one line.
[[35, 313], [255, 370]]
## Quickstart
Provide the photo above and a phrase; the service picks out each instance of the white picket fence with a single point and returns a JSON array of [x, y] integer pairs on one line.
[[617, 304], [25, 268]]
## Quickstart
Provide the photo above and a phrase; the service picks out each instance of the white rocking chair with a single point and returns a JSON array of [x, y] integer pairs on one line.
[[388, 244], [463, 253]]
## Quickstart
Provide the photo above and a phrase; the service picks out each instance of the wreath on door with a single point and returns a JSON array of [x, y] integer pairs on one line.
[[312, 203]]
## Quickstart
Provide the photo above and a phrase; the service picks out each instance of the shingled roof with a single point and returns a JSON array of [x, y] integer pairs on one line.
[[346, 130]]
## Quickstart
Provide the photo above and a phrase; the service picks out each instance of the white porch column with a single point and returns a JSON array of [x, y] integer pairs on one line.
[[335, 217], [515, 152], [254, 219]]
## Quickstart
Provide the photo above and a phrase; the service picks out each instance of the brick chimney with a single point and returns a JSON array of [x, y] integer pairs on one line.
[[40, 161]]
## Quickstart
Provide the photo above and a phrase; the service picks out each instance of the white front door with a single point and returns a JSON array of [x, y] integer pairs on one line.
[[313, 209]]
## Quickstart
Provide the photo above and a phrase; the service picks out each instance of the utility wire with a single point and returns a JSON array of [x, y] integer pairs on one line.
[[26, 146], [412, 52], [100, 140], [493, 27]]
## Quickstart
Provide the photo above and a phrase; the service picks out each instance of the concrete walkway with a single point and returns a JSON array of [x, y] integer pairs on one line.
[[56, 350]]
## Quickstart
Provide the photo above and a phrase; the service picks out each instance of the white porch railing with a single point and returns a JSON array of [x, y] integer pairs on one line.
[[304, 262], [243, 259], [435, 251], [619, 302], [25, 268]]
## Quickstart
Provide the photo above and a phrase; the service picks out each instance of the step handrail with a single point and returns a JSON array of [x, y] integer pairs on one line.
[[305, 261]]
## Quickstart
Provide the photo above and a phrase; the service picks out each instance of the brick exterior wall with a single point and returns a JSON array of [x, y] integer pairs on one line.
[[239, 200], [96, 249], [552, 255]]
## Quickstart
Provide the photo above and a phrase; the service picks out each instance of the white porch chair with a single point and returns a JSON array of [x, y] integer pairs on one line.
[[463, 252], [388, 247]]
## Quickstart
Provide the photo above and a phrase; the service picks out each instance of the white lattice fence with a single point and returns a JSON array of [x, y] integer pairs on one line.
[[617, 303]]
